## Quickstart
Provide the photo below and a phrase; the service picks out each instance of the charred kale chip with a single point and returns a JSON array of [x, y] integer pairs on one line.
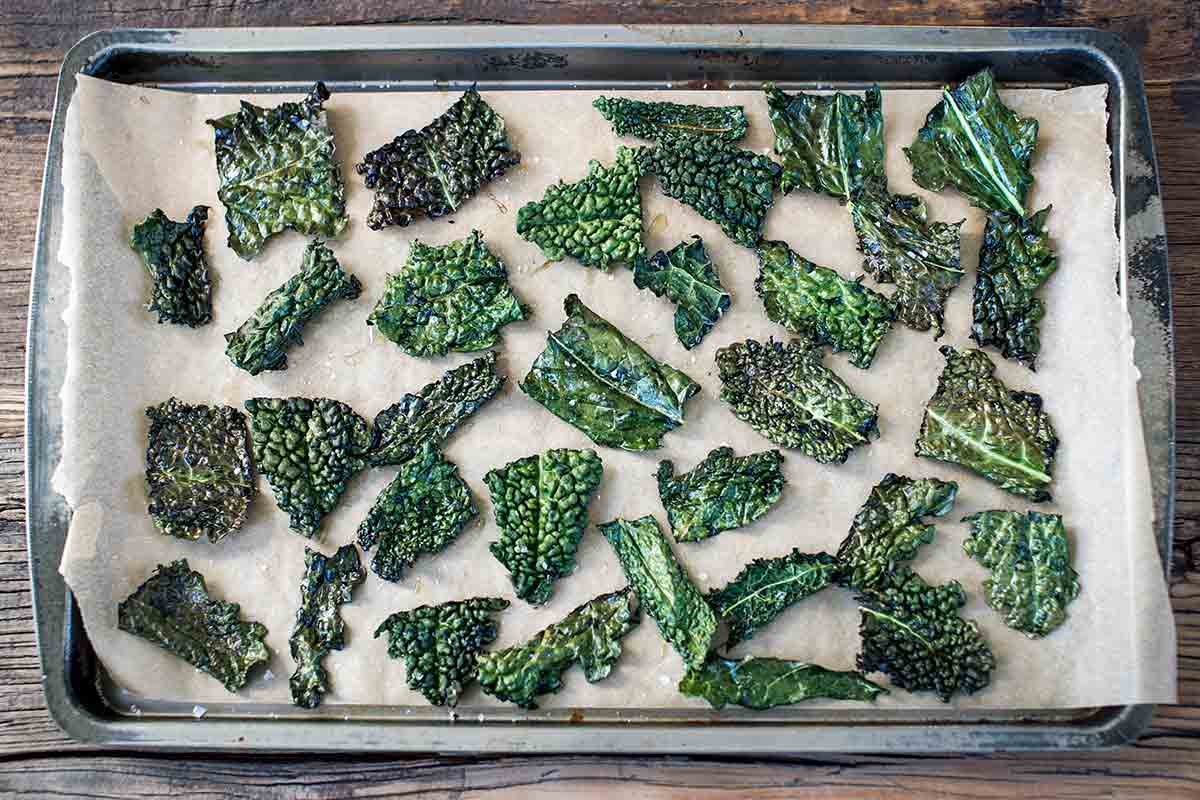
[[173, 610], [440, 644], [307, 449], [278, 170], [173, 254], [767, 587], [261, 342], [787, 394], [433, 171], [686, 275], [671, 121], [761, 683], [603, 383], [684, 619], [975, 420], [721, 493], [1032, 581], [541, 505], [328, 583], [589, 636]]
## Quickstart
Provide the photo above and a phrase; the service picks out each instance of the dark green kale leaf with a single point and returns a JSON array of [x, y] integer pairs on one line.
[[686, 275], [440, 644], [1014, 262], [589, 636], [433, 171], [420, 512], [1029, 555], [787, 394], [261, 342], [975, 143], [541, 505], [596, 220], [671, 121], [766, 588], [912, 632], [328, 583], [173, 254], [888, 529], [404, 428], [721, 493], [726, 184], [603, 383], [198, 471], [684, 619], [820, 304], [761, 683], [828, 143], [173, 610], [974, 420], [278, 170], [307, 449]]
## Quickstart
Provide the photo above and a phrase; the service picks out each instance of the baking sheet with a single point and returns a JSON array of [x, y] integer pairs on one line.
[[129, 150]]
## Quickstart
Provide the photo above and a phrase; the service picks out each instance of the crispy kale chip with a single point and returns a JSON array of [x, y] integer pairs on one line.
[[603, 383], [819, 303], [671, 121], [328, 583], [404, 428], [787, 394], [589, 636], [684, 619], [278, 170], [761, 683], [453, 297], [173, 254], [766, 588], [726, 184], [888, 529], [975, 143], [831, 144], [440, 644], [912, 632], [173, 610], [433, 171], [975, 420], [261, 342], [686, 276], [596, 220], [1014, 262], [1029, 555], [541, 505], [420, 512], [721, 493], [307, 449]]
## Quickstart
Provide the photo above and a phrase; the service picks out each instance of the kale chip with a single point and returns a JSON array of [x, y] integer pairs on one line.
[[173, 254], [767, 587], [686, 275], [173, 610], [433, 171], [328, 583], [672, 121], [278, 170], [721, 493], [760, 683], [541, 505]]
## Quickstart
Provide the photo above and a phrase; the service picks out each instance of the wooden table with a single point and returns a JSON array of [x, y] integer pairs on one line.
[[37, 760]]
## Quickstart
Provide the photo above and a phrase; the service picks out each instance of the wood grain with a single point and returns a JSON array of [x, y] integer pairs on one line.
[[36, 760]]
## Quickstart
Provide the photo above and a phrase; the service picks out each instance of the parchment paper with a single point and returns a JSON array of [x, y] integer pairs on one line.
[[129, 150]]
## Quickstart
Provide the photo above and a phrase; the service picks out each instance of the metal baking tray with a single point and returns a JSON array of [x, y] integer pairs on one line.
[[532, 58]]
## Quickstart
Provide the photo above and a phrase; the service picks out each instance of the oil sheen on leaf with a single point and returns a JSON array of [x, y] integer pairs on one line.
[[329, 581], [672, 121], [762, 682], [173, 255], [766, 588], [686, 276], [721, 493]]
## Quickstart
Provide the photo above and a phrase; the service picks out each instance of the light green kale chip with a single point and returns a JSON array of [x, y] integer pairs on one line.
[[766, 588], [589, 636], [440, 644], [684, 619], [788, 395], [541, 505], [592, 376], [278, 170], [686, 276], [328, 583], [173, 610], [671, 121], [261, 342], [761, 683], [173, 253], [1032, 581], [976, 421], [721, 493], [597, 220]]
